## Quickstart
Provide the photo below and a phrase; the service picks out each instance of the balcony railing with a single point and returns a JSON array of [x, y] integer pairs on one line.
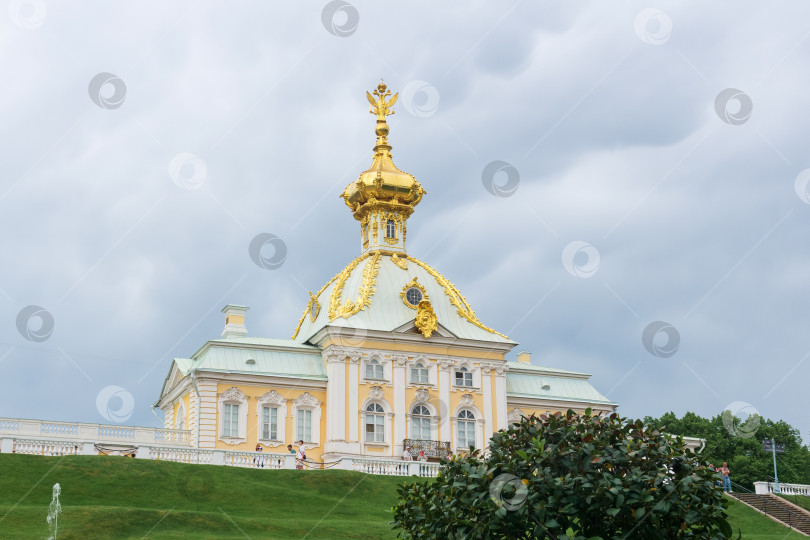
[[434, 450]]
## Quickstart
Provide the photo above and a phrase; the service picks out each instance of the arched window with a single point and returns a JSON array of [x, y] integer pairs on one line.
[[466, 430], [375, 423], [463, 377], [419, 374], [180, 421], [390, 229], [374, 370], [420, 423]]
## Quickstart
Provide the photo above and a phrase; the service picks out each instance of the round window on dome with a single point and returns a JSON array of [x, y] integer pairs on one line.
[[413, 296]]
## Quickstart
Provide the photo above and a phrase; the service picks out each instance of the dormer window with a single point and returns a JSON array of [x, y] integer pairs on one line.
[[390, 229], [463, 377]]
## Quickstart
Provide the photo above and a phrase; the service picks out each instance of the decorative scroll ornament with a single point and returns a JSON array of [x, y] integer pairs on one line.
[[337, 356], [445, 364], [514, 416], [233, 394], [426, 320], [467, 400], [367, 283], [399, 359], [422, 396], [272, 398], [375, 392], [395, 258], [314, 307], [354, 356], [306, 400]]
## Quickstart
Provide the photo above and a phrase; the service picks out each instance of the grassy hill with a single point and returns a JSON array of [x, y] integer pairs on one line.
[[121, 498]]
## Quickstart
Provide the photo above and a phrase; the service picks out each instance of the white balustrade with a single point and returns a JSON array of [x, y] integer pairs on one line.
[[60, 429], [394, 467], [763, 488], [254, 460], [45, 448], [9, 426], [181, 455], [77, 431], [116, 432]]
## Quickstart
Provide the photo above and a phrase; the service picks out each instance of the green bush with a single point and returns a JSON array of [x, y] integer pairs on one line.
[[569, 476]]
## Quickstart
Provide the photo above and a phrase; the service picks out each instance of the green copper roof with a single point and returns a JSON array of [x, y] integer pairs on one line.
[[259, 356], [552, 387]]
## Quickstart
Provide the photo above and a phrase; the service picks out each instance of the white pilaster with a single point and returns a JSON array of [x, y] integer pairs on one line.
[[500, 396], [399, 373], [354, 388], [445, 425], [208, 413], [486, 387], [335, 396]]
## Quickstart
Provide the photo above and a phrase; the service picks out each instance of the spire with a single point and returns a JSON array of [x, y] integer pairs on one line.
[[383, 197]]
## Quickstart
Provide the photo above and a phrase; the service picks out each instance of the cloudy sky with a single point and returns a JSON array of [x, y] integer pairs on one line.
[[648, 176]]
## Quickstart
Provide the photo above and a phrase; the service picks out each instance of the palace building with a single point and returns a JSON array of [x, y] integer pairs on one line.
[[387, 354]]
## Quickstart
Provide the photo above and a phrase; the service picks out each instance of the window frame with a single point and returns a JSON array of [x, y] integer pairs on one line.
[[466, 423], [419, 366], [378, 423], [391, 226], [467, 376]]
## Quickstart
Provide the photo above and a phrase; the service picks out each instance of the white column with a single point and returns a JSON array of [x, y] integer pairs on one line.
[[445, 425], [354, 386], [500, 396], [208, 413], [486, 388], [399, 361], [335, 396]]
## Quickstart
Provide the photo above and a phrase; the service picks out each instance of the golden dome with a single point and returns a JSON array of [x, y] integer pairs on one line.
[[383, 185]]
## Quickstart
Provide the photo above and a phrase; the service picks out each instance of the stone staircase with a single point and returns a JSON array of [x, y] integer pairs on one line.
[[776, 508]]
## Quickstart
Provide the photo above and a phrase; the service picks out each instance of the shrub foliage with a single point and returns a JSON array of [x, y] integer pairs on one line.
[[569, 477]]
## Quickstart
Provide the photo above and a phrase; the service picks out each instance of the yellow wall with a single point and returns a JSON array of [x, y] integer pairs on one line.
[[254, 392]]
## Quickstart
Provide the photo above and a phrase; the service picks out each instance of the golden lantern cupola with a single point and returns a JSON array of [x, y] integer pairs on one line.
[[383, 197]]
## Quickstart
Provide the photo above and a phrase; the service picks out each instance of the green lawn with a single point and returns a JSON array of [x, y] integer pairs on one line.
[[121, 498]]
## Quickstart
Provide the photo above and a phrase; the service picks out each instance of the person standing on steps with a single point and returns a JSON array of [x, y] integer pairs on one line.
[[724, 472]]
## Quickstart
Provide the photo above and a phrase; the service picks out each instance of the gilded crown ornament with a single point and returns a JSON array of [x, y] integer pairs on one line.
[[383, 197]]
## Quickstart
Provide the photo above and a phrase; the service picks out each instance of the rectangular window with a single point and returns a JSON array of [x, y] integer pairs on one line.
[[420, 428], [304, 427], [419, 375], [230, 420], [270, 423], [463, 378], [466, 434], [375, 428]]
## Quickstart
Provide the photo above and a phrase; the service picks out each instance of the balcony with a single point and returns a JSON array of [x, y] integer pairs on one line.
[[434, 450]]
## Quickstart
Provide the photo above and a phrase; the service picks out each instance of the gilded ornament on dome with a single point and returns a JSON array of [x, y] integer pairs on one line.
[[426, 320], [412, 293], [367, 283], [395, 258], [314, 307]]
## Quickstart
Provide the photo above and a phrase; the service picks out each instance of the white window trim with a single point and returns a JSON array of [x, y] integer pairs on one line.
[[387, 415], [233, 396], [479, 427], [428, 365], [383, 362], [181, 407], [272, 399], [434, 420], [475, 374], [307, 401]]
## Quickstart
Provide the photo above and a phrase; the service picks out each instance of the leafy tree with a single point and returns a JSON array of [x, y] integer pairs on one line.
[[742, 449], [569, 476]]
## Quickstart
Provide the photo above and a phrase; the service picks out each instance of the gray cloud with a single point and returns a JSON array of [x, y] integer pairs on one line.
[[617, 143]]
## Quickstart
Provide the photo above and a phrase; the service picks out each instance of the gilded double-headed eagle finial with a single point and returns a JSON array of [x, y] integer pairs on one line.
[[379, 105]]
